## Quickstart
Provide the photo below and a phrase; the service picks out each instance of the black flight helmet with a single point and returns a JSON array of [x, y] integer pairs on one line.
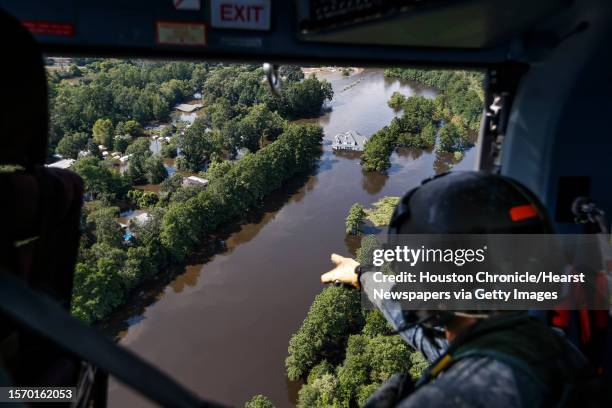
[[470, 202], [466, 202]]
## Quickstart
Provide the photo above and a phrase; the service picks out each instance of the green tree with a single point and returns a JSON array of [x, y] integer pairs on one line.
[[93, 149], [155, 170], [302, 99], [139, 146], [376, 324], [121, 143], [369, 243], [132, 128], [257, 125], [119, 129], [98, 285], [147, 199], [73, 71], [387, 355], [418, 364], [104, 227], [103, 132], [324, 367], [195, 147], [71, 144], [136, 172], [463, 93], [427, 138], [334, 314], [100, 181], [320, 393], [377, 150], [259, 401], [168, 150], [172, 184], [180, 231], [355, 219], [453, 138], [291, 73], [134, 196], [354, 371], [397, 100]]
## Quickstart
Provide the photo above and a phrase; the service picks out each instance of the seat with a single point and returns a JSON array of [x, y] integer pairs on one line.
[[40, 208]]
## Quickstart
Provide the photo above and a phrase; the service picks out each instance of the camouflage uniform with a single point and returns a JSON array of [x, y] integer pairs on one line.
[[478, 379]]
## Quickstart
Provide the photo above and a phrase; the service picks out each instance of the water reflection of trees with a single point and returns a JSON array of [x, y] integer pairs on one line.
[[321, 120], [352, 242], [188, 278], [293, 191], [373, 182], [308, 186], [445, 161], [411, 153], [347, 154]]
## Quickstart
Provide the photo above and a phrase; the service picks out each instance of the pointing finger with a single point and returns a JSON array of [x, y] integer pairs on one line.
[[328, 277], [337, 259]]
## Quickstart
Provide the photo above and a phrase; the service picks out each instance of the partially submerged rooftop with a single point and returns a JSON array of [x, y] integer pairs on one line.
[[350, 140], [195, 181], [62, 164], [188, 108]]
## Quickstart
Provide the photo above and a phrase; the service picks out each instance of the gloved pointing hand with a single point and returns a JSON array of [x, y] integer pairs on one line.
[[344, 272]]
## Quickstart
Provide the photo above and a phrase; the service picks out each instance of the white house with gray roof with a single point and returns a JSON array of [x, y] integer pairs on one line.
[[350, 140]]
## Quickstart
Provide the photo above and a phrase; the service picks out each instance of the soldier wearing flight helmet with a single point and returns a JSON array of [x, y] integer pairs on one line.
[[478, 358]]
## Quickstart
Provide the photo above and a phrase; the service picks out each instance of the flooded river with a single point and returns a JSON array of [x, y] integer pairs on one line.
[[222, 328]]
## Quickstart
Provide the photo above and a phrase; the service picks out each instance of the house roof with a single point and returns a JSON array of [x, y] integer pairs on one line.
[[195, 179], [350, 138], [186, 107], [62, 164]]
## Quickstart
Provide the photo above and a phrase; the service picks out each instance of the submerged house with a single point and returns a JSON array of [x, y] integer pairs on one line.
[[195, 181], [351, 141], [188, 108], [133, 219], [62, 164]]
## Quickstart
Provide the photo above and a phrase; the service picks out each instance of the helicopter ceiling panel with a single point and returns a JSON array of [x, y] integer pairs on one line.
[[466, 32]]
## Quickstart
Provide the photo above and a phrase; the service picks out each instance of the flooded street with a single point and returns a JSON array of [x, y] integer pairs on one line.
[[222, 328]]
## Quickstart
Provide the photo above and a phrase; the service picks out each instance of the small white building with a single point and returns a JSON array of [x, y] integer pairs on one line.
[[102, 148], [350, 140], [188, 108], [141, 219], [62, 164], [194, 181], [124, 159]]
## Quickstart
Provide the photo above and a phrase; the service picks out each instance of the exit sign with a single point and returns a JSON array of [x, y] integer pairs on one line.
[[240, 14]]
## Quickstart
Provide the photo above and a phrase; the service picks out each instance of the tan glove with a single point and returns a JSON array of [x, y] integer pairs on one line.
[[344, 272]]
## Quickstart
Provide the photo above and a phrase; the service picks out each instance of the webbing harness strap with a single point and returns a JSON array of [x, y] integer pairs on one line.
[[46, 318]]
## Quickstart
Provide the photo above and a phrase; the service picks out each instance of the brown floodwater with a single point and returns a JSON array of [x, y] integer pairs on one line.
[[222, 327]]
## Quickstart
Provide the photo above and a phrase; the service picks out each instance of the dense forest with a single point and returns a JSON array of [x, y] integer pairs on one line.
[[111, 102], [341, 351], [443, 123], [463, 91]]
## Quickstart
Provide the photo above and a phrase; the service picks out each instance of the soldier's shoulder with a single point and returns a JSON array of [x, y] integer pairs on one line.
[[473, 382]]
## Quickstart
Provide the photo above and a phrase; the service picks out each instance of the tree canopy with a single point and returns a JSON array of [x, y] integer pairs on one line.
[[344, 353]]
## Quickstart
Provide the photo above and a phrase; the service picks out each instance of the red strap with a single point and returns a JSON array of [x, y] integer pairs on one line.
[[585, 325], [561, 319], [523, 212]]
